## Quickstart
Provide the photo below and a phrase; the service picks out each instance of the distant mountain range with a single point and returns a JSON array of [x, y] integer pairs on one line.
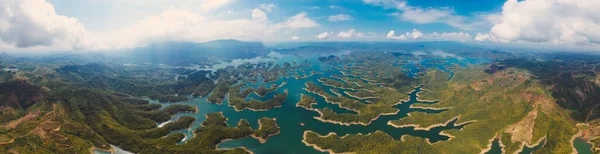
[[183, 53]]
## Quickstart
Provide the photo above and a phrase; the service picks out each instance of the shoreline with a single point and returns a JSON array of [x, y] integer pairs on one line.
[[347, 81], [94, 148], [418, 127], [491, 142], [524, 144], [329, 85], [335, 92], [332, 102], [351, 123], [261, 140], [435, 101], [310, 105], [270, 90], [225, 140], [339, 104], [159, 125], [362, 98], [428, 108], [579, 135], [256, 110], [316, 147]]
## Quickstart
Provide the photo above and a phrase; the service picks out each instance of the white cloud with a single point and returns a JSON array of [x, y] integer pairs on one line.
[[295, 37], [323, 35], [424, 16], [458, 36], [350, 33], [335, 7], [298, 21], [387, 3], [208, 5], [258, 14], [415, 35], [34, 25], [442, 54], [429, 15], [572, 22], [483, 37], [267, 7], [339, 17], [315, 7], [392, 35]]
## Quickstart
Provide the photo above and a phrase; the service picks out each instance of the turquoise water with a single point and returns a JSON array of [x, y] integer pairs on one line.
[[117, 151], [529, 150], [497, 149], [582, 146], [289, 116]]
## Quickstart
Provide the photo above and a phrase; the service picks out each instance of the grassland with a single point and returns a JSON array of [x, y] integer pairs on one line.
[[492, 104], [365, 112]]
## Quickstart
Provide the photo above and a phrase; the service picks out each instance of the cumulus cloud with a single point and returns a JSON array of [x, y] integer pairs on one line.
[[31, 23], [339, 17], [459, 36], [483, 37], [258, 14], [267, 7], [574, 22], [350, 33], [415, 35], [323, 35], [392, 35], [35, 25], [298, 21], [387, 3], [419, 15], [208, 5], [423, 16], [295, 37]]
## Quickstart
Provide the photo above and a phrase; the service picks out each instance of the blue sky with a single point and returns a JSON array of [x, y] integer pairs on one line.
[[113, 24], [100, 15]]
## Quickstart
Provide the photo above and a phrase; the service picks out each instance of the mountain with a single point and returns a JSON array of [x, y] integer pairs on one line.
[[17, 95], [185, 53]]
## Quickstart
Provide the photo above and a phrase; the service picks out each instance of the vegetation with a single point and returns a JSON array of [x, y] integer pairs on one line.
[[366, 112], [219, 92], [267, 128], [372, 143], [262, 90], [75, 103], [306, 102], [236, 99], [472, 97]]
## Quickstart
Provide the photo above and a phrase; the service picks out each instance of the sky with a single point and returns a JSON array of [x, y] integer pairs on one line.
[[75, 25]]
